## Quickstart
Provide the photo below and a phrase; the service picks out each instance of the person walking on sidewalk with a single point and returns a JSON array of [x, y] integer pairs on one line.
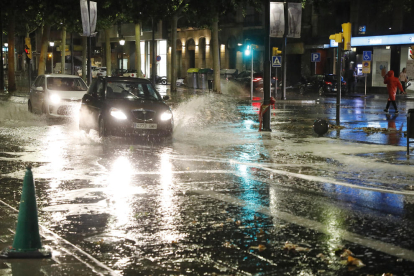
[[392, 83], [403, 79], [354, 80]]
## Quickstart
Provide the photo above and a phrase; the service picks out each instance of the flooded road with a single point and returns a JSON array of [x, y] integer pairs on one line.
[[220, 198]]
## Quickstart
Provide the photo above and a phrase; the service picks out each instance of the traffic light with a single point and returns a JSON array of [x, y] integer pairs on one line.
[[337, 37], [28, 48], [346, 29], [276, 51], [247, 51], [250, 48]]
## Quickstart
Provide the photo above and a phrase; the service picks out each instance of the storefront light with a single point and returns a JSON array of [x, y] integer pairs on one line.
[[353, 49], [387, 47]]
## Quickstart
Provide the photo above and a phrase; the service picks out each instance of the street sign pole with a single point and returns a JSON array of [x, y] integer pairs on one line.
[[365, 84], [284, 65], [366, 66], [275, 82]]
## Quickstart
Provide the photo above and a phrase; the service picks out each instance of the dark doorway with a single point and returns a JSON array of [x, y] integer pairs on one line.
[[179, 58], [190, 53], [202, 51], [232, 47]]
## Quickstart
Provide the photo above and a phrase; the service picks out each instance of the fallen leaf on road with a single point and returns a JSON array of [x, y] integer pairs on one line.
[[355, 262], [261, 247]]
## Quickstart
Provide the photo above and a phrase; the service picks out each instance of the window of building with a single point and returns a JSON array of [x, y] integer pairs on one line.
[[162, 52], [142, 46]]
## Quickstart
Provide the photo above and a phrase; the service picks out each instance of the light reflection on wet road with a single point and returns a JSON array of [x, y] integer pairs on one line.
[[221, 197]]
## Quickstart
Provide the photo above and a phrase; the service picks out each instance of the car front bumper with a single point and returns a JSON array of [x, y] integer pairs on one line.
[[65, 108], [115, 127]]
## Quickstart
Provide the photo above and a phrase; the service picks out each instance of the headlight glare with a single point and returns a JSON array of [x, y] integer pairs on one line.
[[54, 99], [167, 115], [118, 114]]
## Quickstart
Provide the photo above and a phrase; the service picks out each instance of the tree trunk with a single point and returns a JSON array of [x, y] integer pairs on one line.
[[11, 69], [84, 50], [174, 54], [63, 50], [138, 49], [108, 53], [216, 53], [43, 50]]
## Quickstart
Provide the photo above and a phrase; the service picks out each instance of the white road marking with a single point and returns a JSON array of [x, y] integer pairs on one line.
[[302, 176]]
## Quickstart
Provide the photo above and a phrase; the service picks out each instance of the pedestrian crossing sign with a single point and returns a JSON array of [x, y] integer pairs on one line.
[[276, 61]]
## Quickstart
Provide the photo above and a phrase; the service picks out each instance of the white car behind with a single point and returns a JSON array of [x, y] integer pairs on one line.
[[56, 94]]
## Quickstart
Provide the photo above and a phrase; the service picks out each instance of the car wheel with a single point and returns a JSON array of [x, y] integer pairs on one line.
[[164, 81], [102, 128], [29, 107], [45, 109], [82, 127]]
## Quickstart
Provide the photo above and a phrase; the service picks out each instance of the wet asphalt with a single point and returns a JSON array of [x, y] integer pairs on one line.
[[219, 198]]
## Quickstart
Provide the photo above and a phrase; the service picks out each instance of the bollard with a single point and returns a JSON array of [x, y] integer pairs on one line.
[[320, 127], [27, 242]]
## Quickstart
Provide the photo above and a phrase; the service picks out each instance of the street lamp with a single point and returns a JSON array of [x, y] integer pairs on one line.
[[248, 52], [51, 43], [122, 43], [5, 57]]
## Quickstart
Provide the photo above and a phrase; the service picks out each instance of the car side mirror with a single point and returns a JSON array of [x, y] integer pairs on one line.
[[39, 88], [166, 98]]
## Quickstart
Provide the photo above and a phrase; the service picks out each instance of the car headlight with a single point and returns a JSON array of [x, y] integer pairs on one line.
[[54, 99], [167, 115], [118, 114]]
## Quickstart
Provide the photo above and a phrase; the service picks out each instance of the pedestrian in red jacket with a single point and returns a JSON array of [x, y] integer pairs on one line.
[[392, 83]]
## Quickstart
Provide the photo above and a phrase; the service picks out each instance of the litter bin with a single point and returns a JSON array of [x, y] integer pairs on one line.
[[410, 129], [192, 74], [203, 76], [410, 123]]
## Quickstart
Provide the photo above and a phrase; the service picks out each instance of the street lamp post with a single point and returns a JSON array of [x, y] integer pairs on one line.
[[122, 43], [6, 54], [251, 78], [249, 51], [51, 43]]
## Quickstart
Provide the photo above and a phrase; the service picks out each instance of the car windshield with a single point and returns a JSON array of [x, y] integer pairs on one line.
[[330, 78], [131, 90], [66, 84]]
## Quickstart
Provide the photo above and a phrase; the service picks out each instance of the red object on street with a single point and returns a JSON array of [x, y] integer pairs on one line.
[[392, 84], [263, 109]]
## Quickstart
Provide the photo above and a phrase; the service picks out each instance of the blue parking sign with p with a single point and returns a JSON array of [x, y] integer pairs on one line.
[[316, 57]]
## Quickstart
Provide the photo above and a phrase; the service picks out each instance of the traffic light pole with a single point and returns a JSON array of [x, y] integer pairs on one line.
[[29, 64], [266, 65], [338, 84], [275, 82]]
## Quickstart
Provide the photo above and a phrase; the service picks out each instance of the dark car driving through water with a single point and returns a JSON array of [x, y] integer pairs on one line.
[[123, 106]]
